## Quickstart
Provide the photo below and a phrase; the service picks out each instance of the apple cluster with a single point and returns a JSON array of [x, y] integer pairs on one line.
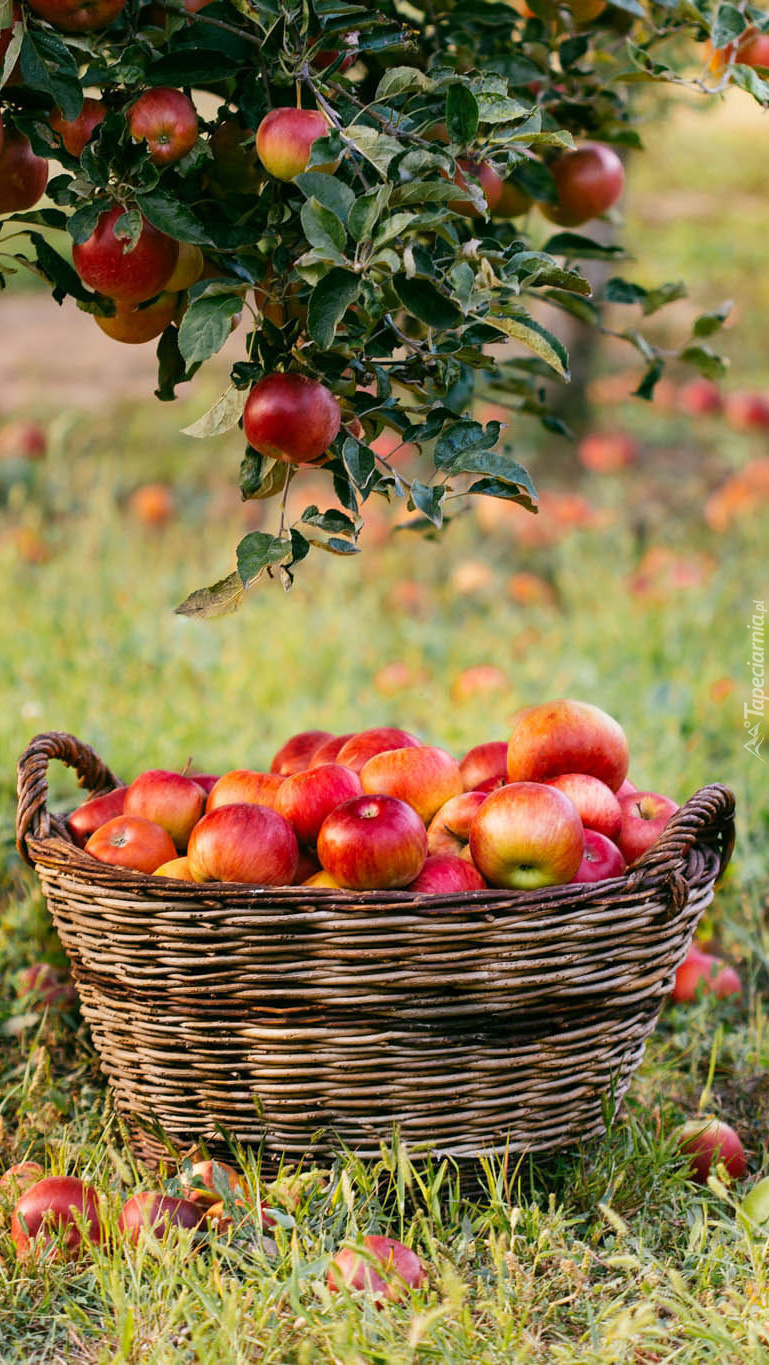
[[380, 810], [60, 1217]]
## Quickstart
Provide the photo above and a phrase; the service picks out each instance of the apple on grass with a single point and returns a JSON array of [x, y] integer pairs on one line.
[[306, 798], [43, 983], [483, 763], [207, 1182], [601, 860], [383, 1267], [18, 1178], [174, 802], [598, 807], [130, 841], [154, 1214], [84, 821], [49, 1217], [243, 843], [707, 1142], [444, 874], [373, 843], [423, 776], [295, 755], [566, 736], [644, 816], [244, 785], [449, 830], [702, 973], [527, 835], [366, 743]]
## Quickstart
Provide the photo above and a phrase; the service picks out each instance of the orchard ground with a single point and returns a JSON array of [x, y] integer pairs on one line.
[[607, 1254]]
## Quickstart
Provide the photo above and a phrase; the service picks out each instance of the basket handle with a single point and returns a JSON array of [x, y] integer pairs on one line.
[[32, 814], [708, 817]]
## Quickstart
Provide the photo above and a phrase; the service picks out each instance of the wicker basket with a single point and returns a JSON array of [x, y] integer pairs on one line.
[[308, 1019]]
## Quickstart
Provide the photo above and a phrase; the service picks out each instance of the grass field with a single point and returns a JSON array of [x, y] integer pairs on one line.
[[605, 1254]]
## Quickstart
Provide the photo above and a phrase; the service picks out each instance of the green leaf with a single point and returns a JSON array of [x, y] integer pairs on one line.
[[82, 222], [206, 326], [378, 148], [333, 194], [573, 244], [428, 500], [496, 488], [401, 80], [537, 338], [708, 323], [662, 295], [47, 65], [256, 552], [333, 531], [459, 439], [59, 272], [324, 230], [498, 108], [728, 25], [171, 367], [260, 476], [648, 384], [360, 463], [367, 210], [461, 114], [223, 416], [623, 291], [425, 302], [328, 304], [704, 360], [174, 217], [220, 599]]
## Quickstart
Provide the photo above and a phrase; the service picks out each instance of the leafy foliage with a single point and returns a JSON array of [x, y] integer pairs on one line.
[[379, 278]]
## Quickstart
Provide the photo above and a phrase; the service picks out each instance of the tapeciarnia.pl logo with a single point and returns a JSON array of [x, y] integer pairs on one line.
[[754, 711]]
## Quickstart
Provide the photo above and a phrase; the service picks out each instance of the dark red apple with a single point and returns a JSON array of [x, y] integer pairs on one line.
[[589, 181], [75, 133], [104, 263], [527, 835], [362, 746], [174, 802], [243, 843], [491, 184], [373, 843], [44, 983], [644, 816], [166, 119], [291, 417], [295, 755], [156, 1213], [77, 16], [706, 1142], [23, 175], [94, 813], [21, 440], [46, 1215], [329, 750], [306, 798], [601, 859], [399, 1269]]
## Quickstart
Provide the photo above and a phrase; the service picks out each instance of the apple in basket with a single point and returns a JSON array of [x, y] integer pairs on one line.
[[363, 746], [598, 807], [484, 763], [306, 798], [444, 875], [527, 835], [449, 829], [294, 756], [373, 843], [644, 816], [243, 843], [131, 841], [566, 737], [423, 776], [601, 859], [242, 784], [171, 800], [89, 817]]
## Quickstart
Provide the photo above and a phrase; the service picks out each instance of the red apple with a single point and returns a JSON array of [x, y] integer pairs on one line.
[[491, 184], [133, 275], [449, 829], [644, 816], [306, 798], [294, 756], [167, 121], [284, 139], [23, 175], [205, 780], [174, 802], [700, 398], [178, 869], [566, 737], [701, 973], [364, 745], [373, 843], [44, 983], [747, 411], [423, 776], [598, 807], [156, 1213], [588, 180], [243, 785], [133, 842], [329, 750], [201, 1181], [491, 784], [77, 16], [401, 1269], [444, 874], [306, 867], [706, 1142], [327, 56], [136, 324], [18, 1178], [625, 788], [75, 133], [483, 762], [601, 859], [94, 813], [604, 452], [46, 1216], [22, 440], [291, 417], [527, 835], [512, 202], [235, 166], [243, 843]]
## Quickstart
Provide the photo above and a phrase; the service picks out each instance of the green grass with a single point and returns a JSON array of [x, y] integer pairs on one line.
[[603, 1254]]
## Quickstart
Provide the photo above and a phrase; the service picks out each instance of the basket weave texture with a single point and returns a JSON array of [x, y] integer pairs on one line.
[[305, 1019]]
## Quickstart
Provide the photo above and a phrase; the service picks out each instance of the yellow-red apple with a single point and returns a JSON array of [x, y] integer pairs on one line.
[[174, 802], [706, 1142], [284, 139], [598, 807], [400, 1268], [243, 843], [423, 776], [132, 841], [449, 829], [482, 762], [166, 119], [295, 755], [243, 785], [527, 835], [328, 751], [178, 869], [566, 737], [92, 814], [364, 745]]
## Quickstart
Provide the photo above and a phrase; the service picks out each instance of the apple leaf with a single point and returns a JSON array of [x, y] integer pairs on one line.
[[220, 599], [206, 326], [328, 304]]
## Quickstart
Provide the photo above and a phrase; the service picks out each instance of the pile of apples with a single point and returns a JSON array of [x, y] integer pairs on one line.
[[60, 1217], [379, 810]]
